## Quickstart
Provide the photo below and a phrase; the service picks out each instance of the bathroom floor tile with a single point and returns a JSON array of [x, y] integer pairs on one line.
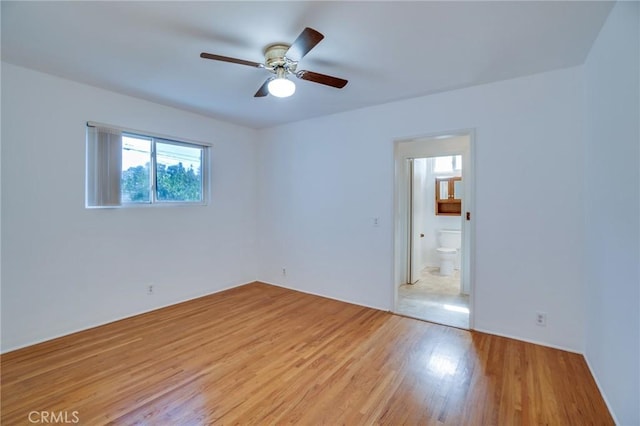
[[435, 298]]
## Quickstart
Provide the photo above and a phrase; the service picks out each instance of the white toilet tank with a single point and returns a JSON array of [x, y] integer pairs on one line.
[[450, 238]]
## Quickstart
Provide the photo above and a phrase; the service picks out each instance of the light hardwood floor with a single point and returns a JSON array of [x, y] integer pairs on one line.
[[259, 354]]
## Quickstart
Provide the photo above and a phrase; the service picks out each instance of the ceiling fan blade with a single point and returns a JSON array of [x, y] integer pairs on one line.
[[327, 80], [263, 90], [228, 59], [306, 41]]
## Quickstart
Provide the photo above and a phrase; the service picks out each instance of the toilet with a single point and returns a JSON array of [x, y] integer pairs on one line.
[[449, 241]]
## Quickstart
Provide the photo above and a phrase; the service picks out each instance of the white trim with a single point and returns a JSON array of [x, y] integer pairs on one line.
[[150, 134], [535, 342], [602, 394], [160, 204], [377, 308], [120, 318]]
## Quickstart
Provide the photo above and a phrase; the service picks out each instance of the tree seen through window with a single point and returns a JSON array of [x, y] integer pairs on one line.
[[178, 176]]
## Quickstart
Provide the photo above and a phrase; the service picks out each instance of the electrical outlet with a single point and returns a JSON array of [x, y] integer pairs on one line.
[[541, 319], [284, 272], [150, 289], [375, 222]]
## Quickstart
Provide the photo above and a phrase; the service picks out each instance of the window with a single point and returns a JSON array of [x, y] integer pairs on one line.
[[176, 170], [128, 168], [447, 164]]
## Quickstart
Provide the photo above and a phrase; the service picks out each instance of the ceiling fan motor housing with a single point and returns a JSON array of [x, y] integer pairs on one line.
[[274, 57]]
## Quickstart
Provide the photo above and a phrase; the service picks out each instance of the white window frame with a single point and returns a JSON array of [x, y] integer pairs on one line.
[[155, 138]]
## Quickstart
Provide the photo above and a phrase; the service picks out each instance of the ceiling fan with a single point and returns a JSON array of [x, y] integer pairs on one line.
[[282, 59]]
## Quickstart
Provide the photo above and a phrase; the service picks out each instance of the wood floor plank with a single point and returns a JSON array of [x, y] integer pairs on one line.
[[260, 354]]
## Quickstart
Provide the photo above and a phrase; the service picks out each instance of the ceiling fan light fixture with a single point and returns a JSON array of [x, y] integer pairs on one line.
[[281, 87]]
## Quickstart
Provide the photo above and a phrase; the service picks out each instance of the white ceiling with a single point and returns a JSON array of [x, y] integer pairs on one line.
[[387, 50]]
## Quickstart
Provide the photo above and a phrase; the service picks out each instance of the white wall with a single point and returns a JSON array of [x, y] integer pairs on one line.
[[322, 180], [66, 268], [612, 212]]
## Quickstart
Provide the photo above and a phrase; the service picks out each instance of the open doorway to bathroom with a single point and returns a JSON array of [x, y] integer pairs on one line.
[[433, 203], [434, 290]]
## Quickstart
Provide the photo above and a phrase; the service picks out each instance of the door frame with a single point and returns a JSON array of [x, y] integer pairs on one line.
[[433, 145]]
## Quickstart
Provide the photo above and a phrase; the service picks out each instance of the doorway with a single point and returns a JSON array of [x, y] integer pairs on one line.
[[433, 250]]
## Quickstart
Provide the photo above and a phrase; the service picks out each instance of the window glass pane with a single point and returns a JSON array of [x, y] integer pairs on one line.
[[178, 169], [136, 160], [447, 164], [443, 164]]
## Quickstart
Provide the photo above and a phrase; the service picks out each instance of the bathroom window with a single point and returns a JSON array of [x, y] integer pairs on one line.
[[448, 164]]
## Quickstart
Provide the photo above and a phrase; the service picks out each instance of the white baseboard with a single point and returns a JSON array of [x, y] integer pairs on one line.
[[535, 342], [101, 323], [351, 302], [604, 396]]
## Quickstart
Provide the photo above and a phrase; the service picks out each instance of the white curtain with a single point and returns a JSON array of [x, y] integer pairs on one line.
[[104, 166]]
